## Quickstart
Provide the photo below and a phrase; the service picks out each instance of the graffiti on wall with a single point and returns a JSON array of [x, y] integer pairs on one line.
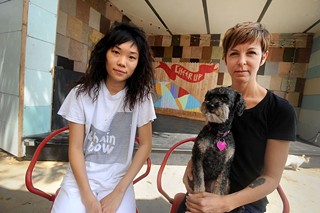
[[181, 86], [174, 97], [188, 75]]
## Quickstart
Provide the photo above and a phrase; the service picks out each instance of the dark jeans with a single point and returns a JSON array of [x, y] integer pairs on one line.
[[246, 209], [243, 209]]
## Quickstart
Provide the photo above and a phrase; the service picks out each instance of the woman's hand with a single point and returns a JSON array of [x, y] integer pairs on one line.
[[187, 177], [111, 202], [204, 203], [92, 205]]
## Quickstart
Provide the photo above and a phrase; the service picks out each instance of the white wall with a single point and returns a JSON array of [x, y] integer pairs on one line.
[[10, 48], [309, 117], [39, 60], [41, 36]]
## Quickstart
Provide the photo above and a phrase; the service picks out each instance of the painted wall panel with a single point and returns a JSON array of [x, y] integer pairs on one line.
[[312, 87], [39, 55], [309, 123], [38, 88], [271, 68], [311, 102], [41, 23], [49, 5], [309, 117], [36, 119], [9, 106], [315, 45], [40, 47], [11, 16], [313, 72], [314, 59], [10, 45]]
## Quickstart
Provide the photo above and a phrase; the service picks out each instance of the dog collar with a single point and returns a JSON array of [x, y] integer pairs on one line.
[[221, 144], [223, 134]]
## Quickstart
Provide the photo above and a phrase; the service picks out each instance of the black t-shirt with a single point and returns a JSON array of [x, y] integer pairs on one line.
[[272, 118]]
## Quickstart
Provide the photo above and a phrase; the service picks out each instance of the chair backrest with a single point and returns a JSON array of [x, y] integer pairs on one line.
[[34, 159], [175, 202]]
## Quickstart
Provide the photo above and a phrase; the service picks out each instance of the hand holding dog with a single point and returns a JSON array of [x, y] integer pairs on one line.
[[204, 202], [201, 202]]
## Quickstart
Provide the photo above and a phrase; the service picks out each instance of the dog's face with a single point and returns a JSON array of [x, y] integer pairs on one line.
[[219, 102]]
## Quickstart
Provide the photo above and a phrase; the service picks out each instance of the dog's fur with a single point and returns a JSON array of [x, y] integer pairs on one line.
[[213, 151]]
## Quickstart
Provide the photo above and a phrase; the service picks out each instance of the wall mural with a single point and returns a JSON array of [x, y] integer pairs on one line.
[[188, 75], [182, 86], [174, 97]]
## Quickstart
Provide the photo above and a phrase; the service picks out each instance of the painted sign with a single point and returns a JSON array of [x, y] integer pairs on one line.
[[186, 74]]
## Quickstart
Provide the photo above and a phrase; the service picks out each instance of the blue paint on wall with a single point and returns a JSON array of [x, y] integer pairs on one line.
[[315, 45], [36, 120], [311, 102], [42, 24], [313, 72]]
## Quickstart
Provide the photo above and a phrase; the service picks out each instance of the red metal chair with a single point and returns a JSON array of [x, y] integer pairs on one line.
[[175, 202], [51, 197]]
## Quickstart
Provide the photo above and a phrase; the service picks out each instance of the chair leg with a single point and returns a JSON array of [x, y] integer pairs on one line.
[[285, 201], [178, 198]]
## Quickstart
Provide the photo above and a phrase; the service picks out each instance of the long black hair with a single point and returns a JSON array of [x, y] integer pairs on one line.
[[139, 84]]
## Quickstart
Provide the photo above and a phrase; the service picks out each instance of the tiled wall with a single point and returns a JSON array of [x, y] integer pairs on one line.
[[309, 119], [10, 51], [80, 25], [40, 45], [284, 71]]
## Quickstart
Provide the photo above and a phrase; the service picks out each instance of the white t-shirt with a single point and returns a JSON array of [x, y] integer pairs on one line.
[[110, 132]]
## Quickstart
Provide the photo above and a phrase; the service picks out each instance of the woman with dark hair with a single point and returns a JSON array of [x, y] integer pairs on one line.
[[105, 109]]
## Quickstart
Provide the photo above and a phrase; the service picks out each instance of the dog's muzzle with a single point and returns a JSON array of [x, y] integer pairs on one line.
[[215, 111]]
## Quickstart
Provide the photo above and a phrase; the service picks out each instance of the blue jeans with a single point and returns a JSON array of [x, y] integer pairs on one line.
[[246, 209]]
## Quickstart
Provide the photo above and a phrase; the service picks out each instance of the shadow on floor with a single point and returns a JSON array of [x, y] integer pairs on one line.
[[158, 205], [17, 201]]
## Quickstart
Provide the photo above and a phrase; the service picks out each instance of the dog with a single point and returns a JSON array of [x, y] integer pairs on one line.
[[214, 147], [294, 161]]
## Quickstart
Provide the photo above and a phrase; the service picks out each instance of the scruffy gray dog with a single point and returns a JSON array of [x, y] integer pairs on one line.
[[213, 151]]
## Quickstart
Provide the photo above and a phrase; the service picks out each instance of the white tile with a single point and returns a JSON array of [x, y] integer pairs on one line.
[[9, 123], [39, 55], [94, 19], [50, 5], [11, 16], [37, 88], [10, 46], [41, 24]]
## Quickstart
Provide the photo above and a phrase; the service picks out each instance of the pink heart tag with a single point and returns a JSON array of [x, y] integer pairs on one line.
[[222, 145]]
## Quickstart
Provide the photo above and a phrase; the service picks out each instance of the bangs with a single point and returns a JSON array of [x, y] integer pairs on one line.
[[120, 37], [242, 37]]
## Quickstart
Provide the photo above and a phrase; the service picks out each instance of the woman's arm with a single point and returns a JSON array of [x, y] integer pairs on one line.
[[113, 200], [76, 159], [275, 158]]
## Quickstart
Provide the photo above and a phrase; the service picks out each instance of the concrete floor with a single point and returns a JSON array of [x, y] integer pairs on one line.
[[300, 187]]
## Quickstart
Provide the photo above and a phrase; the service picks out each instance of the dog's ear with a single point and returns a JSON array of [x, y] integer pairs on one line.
[[240, 105]]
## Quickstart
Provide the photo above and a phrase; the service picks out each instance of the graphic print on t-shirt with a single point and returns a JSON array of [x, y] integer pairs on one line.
[[112, 145]]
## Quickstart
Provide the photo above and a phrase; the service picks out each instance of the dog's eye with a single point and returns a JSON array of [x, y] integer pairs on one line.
[[224, 98]]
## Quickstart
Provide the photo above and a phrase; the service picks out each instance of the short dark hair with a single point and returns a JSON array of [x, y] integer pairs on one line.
[[246, 32]]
